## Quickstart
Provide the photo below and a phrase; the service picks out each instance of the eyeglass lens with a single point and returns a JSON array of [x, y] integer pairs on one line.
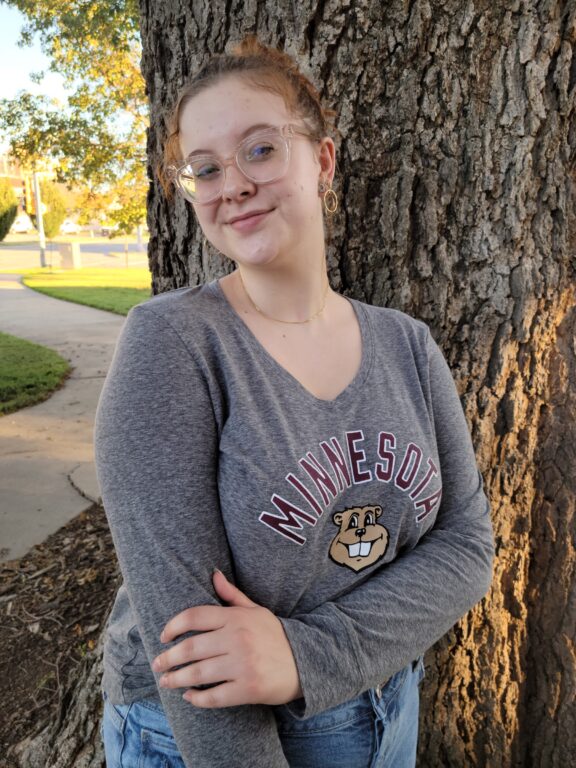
[[261, 158]]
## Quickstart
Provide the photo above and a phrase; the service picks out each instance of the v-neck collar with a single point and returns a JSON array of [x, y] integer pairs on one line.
[[349, 392]]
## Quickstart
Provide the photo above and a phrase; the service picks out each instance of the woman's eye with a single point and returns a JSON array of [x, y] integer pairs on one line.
[[206, 171], [260, 151]]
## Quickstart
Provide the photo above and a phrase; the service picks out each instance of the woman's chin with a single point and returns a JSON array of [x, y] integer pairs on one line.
[[255, 255]]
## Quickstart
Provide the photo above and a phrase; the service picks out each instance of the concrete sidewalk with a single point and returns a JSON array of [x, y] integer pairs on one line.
[[47, 473]]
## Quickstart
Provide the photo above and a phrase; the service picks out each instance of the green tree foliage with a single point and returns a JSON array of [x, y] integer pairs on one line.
[[99, 136], [128, 210], [8, 207], [55, 211], [92, 205]]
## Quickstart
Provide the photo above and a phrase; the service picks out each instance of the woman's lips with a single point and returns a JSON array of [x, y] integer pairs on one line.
[[249, 222]]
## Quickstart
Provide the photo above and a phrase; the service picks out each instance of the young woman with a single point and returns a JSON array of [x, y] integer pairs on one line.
[[310, 446]]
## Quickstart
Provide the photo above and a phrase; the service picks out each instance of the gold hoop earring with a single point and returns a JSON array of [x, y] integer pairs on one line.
[[330, 200]]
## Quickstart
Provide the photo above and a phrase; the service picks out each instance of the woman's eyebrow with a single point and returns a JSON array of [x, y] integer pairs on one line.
[[247, 132]]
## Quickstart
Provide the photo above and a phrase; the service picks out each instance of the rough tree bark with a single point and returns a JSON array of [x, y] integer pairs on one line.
[[456, 178], [73, 740]]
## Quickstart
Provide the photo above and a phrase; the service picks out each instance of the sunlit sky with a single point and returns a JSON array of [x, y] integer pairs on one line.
[[17, 63]]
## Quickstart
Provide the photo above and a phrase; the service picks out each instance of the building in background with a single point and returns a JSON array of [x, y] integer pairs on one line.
[[10, 169]]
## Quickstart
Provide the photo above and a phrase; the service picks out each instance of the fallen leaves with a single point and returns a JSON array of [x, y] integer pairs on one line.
[[53, 602]]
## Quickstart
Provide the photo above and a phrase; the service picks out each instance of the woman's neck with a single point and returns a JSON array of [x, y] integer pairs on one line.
[[285, 294]]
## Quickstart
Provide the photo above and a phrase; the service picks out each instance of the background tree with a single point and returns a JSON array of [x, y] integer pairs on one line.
[[99, 135], [456, 177], [55, 209], [127, 210], [8, 207], [91, 205]]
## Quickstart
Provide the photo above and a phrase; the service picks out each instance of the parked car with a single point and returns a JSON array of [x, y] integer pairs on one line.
[[69, 227], [107, 230], [22, 225]]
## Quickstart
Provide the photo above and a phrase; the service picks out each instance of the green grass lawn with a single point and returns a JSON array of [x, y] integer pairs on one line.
[[29, 373], [115, 290]]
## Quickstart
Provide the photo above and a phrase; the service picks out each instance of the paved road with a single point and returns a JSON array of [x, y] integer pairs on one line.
[[23, 254], [47, 473]]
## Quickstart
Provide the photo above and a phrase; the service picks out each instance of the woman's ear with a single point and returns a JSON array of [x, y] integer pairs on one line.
[[327, 159]]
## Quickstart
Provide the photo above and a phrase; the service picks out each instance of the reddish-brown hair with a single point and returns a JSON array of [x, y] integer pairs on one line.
[[264, 67]]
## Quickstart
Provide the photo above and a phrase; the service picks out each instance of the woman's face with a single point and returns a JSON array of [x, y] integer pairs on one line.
[[288, 212]]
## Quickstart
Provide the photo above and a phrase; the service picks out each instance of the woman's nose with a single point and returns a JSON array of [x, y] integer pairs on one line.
[[236, 184]]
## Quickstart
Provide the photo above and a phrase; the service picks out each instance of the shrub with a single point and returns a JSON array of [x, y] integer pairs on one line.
[[55, 209], [8, 207]]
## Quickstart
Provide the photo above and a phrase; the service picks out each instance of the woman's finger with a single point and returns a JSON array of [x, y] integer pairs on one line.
[[195, 648], [201, 617], [206, 672], [228, 694]]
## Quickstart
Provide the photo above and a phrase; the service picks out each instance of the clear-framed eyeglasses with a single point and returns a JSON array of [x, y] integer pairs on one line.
[[263, 157]]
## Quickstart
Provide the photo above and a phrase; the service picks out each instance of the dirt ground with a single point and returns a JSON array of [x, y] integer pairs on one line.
[[53, 603]]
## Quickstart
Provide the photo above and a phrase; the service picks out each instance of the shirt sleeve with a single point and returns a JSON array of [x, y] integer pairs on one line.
[[156, 451], [404, 607]]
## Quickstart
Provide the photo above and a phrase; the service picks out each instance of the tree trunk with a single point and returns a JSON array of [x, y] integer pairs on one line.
[[549, 714], [456, 163], [73, 740]]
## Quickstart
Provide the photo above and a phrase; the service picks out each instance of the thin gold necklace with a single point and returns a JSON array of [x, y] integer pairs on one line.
[[256, 307]]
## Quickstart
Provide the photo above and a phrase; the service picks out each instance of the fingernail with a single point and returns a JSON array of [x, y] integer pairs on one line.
[[217, 570]]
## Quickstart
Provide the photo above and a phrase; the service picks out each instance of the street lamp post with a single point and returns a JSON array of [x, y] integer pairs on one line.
[[39, 220]]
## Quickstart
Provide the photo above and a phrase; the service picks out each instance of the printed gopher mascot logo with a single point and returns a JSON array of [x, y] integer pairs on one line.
[[361, 540]]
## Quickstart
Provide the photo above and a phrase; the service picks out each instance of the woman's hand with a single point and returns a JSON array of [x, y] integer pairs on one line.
[[243, 644]]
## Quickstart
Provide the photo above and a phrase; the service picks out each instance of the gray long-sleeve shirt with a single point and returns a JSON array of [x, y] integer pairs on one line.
[[361, 522]]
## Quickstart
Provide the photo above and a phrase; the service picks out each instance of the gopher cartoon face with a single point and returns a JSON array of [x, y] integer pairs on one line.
[[361, 540]]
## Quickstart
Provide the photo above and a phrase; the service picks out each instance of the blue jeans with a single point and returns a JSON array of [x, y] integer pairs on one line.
[[378, 729]]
